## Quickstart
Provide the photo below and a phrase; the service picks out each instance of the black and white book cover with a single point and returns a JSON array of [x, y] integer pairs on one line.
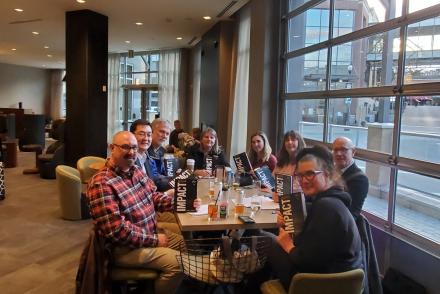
[[242, 163], [293, 210], [183, 175], [265, 176], [284, 184], [209, 160], [171, 166], [185, 192]]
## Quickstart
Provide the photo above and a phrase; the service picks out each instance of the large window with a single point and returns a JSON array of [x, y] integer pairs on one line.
[[370, 71]]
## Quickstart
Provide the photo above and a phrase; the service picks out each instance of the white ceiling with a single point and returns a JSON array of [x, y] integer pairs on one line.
[[164, 20]]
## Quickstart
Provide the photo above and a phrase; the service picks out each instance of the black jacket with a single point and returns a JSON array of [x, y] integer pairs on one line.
[[195, 153], [357, 186], [329, 242]]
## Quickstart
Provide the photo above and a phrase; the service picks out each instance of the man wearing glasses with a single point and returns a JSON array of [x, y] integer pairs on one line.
[[355, 180], [123, 203], [141, 129]]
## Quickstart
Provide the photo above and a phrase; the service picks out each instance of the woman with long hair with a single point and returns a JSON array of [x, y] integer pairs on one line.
[[329, 241], [293, 143], [207, 154], [260, 152]]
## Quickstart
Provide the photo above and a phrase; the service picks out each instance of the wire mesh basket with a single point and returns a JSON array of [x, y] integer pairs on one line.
[[223, 260]]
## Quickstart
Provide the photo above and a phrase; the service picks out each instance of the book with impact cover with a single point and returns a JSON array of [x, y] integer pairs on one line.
[[171, 166], [283, 184], [293, 210], [265, 176], [183, 175], [184, 195], [242, 163]]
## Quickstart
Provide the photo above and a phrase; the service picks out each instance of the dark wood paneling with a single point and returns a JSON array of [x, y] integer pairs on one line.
[[86, 75]]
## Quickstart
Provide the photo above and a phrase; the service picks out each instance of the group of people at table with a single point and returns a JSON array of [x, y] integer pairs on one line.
[[132, 204]]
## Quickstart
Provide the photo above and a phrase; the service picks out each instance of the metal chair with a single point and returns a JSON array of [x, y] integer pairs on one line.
[[223, 262], [350, 282]]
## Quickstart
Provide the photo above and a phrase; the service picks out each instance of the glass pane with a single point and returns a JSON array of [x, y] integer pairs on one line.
[[375, 66], [350, 16], [378, 192], [307, 72], [417, 204], [415, 5], [293, 4], [423, 52], [153, 107], [140, 78], [306, 117], [420, 130], [308, 28], [366, 121], [134, 108], [154, 62], [154, 78]]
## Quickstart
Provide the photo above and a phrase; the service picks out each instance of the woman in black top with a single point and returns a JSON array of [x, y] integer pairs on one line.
[[329, 241], [207, 154]]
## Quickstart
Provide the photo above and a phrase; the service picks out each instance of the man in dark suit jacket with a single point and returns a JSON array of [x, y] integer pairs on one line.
[[355, 180]]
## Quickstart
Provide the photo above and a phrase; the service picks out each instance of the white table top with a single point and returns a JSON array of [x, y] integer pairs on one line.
[[264, 219]]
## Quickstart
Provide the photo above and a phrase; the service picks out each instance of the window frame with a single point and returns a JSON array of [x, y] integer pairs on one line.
[[393, 160]]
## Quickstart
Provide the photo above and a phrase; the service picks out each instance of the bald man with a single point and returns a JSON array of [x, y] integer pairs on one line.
[[123, 203], [356, 181]]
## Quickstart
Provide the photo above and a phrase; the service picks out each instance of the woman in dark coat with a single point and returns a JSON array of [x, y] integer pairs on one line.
[[329, 241]]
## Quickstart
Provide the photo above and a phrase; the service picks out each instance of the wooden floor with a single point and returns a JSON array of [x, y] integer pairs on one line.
[[39, 251]]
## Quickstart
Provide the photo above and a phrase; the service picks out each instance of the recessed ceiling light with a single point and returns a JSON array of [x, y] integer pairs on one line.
[[14, 49], [35, 33], [207, 17], [18, 10], [179, 38], [49, 55], [81, 1], [44, 65], [128, 42], [46, 47], [139, 23]]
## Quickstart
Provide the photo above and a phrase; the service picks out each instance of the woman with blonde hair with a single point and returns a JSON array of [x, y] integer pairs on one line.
[[206, 153], [260, 152]]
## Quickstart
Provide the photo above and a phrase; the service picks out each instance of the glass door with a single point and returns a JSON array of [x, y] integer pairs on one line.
[[140, 101]]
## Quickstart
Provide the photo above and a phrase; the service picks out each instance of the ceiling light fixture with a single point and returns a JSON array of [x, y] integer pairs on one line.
[[128, 42], [18, 10], [179, 38], [46, 47], [139, 23], [35, 33], [207, 17], [48, 55], [14, 49], [81, 1]]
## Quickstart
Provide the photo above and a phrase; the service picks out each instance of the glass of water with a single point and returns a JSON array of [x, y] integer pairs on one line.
[[255, 205]]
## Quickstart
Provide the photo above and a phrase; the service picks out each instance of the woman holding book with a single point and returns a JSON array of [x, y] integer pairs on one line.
[[261, 153], [328, 241], [207, 154], [293, 143]]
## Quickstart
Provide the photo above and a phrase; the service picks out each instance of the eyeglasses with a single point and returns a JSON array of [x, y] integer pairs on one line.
[[308, 175], [127, 147], [142, 134]]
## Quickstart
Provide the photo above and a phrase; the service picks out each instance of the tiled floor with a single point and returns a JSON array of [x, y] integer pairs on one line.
[[39, 251]]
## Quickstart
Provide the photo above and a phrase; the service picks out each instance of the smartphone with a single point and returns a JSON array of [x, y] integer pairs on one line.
[[246, 219]]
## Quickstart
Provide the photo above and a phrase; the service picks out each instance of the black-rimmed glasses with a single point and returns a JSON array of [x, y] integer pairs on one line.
[[308, 175], [127, 147]]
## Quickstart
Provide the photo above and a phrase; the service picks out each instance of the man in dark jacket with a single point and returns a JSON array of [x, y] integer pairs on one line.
[[355, 180]]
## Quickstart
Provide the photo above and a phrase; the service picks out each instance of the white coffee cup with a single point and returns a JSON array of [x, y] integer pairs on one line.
[[190, 164]]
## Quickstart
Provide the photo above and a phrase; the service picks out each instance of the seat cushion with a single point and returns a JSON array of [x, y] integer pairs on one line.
[[272, 287]]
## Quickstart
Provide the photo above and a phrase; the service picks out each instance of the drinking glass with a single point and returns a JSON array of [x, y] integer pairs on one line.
[[256, 203]]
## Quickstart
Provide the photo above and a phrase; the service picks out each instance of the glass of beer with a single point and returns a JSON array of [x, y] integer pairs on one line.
[[212, 211], [239, 209]]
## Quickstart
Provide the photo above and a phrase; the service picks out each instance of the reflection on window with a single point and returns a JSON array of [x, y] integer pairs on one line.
[[378, 192], [306, 116], [418, 204]]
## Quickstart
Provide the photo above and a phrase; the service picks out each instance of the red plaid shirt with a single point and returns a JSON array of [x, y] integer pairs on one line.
[[123, 206]]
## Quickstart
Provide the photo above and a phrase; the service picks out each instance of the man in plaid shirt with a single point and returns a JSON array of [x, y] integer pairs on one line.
[[123, 203]]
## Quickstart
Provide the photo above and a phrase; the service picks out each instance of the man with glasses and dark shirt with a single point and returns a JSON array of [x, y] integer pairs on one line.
[[355, 180], [141, 129], [123, 203], [161, 132]]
